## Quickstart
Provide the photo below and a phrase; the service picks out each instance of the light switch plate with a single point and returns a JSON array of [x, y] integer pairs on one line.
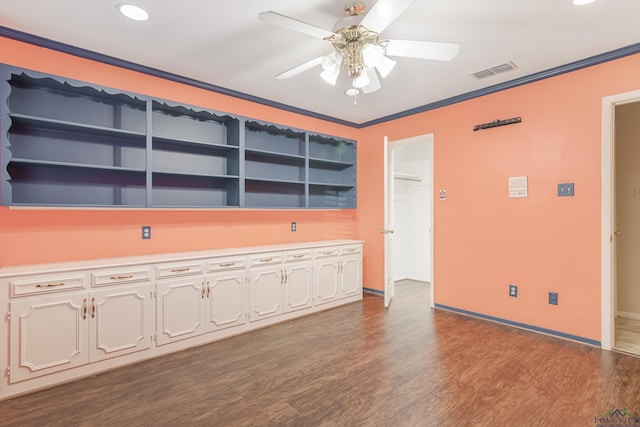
[[565, 190]]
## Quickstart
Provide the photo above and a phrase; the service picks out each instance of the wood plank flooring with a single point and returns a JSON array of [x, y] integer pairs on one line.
[[357, 365], [627, 335]]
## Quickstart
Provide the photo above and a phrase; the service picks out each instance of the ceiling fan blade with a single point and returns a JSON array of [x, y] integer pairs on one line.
[[293, 24], [383, 13], [423, 50], [300, 68], [374, 81]]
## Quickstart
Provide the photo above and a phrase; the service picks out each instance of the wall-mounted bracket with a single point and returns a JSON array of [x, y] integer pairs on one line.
[[497, 123]]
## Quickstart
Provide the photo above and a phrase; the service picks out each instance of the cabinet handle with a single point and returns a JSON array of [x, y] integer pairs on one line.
[[129, 276], [351, 250], [179, 270], [229, 264], [208, 289], [286, 276], [204, 290], [84, 308], [266, 259], [327, 253], [93, 308], [299, 256], [282, 277], [49, 285]]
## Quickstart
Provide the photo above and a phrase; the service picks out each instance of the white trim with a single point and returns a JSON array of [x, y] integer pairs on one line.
[[607, 214]]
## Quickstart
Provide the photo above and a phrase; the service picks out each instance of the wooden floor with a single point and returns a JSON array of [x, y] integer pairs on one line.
[[357, 365], [627, 335]]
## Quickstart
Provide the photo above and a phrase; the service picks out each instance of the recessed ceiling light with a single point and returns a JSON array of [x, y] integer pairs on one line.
[[582, 2], [352, 92], [133, 12]]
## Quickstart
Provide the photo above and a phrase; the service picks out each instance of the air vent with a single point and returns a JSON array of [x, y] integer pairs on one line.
[[498, 69]]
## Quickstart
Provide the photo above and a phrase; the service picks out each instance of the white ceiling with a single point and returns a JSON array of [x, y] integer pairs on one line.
[[224, 44]]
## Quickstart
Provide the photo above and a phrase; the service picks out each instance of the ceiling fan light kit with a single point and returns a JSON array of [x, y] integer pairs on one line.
[[357, 48]]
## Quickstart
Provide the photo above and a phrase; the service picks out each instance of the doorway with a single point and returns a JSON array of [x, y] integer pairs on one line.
[[409, 214], [620, 226]]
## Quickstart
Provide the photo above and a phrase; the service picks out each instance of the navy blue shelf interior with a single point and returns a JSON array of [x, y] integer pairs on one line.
[[71, 143]]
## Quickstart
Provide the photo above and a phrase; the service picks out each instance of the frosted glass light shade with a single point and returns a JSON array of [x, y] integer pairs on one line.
[[330, 75], [385, 66], [372, 54], [361, 81]]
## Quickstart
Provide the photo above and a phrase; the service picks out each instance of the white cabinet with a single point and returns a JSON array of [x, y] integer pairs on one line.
[[298, 281], [120, 321], [193, 303], [180, 294], [326, 272], [226, 293], [266, 280], [51, 333], [350, 271], [48, 334], [338, 273], [280, 283], [69, 320]]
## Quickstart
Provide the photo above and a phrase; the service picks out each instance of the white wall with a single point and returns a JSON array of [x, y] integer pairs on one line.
[[412, 213], [627, 199]]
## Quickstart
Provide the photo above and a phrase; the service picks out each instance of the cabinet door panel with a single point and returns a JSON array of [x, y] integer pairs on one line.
[[47, 335], [265, 292], [351, 276], [226, 300], [298, 289], [120, 321], [180, 309], [327, 286]]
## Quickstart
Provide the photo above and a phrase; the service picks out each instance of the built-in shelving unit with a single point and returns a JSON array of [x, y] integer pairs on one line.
[[69, 143]]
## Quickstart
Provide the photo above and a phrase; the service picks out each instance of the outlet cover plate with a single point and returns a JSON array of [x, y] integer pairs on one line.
[[146, 232], [553, 298], [294, 226], [513, 291]]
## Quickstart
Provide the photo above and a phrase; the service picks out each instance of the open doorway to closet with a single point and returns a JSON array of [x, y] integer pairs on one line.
[[627, 227], [621, 222], [409, 216]]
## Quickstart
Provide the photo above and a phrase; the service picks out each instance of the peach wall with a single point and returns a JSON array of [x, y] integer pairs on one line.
[[48, 235], [485, 241]]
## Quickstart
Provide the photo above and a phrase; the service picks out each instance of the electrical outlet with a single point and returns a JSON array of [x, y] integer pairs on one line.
[[565, 190], [146, 232], [293, 226], [553, 298], [513, 291]]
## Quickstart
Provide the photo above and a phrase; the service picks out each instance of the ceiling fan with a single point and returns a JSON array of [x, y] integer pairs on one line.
[[357, 47]]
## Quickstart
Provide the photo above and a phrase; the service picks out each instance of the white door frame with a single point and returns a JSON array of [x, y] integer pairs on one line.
[[608, 291], [388, 147]]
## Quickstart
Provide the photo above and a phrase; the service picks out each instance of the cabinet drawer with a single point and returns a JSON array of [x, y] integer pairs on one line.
[[226, 263], [179, 269], [327, 252], [351, 250], [121, 276], [298, 255], [265, 259], [47, 283]]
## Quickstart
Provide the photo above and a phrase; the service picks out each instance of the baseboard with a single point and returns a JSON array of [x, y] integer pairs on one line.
[[628, 315], [413, 279], [373, 291], [522, 325]]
